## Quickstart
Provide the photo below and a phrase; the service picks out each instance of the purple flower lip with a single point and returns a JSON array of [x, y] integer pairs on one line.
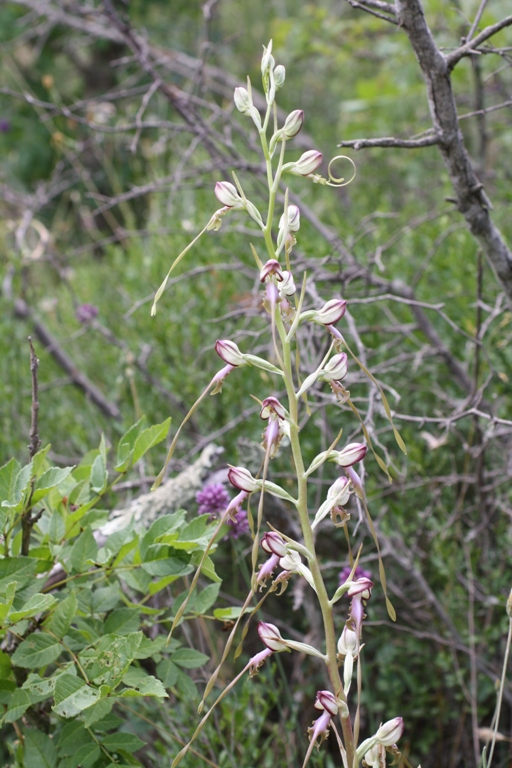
[[362, 587], [272, 267], [272, 405], [5, 126], [326, 700]]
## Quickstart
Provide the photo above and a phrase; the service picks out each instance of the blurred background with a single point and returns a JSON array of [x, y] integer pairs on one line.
[[116, 120]]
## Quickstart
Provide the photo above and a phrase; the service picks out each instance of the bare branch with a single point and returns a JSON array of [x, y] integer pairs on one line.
[[470, 47], [369, 5], [472, 201], [390, 141], [79, 379]]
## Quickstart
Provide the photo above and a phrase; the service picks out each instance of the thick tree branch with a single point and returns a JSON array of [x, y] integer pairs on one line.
[[471, 199]]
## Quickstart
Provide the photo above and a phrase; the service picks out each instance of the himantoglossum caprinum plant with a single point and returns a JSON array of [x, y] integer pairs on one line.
[[285, 558]]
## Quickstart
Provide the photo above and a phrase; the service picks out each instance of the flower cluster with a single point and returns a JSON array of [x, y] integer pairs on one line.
[[213, 500]]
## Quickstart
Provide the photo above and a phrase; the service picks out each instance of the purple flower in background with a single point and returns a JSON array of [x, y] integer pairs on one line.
[[359, 573], [239, 524], [5, 126], [85, 313], [212, 500]]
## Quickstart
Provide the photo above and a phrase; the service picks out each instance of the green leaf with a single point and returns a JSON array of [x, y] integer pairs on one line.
[[72, 695], [60, 620], [99, 474], [162, 560], [186, 687], [189, 658], [18, 705], [168, 672], [228, 614], [207, 568], [38, 603], [38, 650], [38, 461], [56, 527], [164, 525], [19, 569], [127, 741], [122, 622], [39, 750], [8, 475], [150, 437], [98, 711], [114, 656], [105, 599], [48, 480], [73, 736], [40, 688], [7, 600], [150, 648], [146, 685], [206, 598], [125, 446], [86, 755], [16, 485], [84, 549]]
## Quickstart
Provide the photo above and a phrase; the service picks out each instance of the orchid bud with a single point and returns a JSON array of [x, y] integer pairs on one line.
[[274, 544], [389, 733], [351, 454], [242, 479], [256, 661], [307, 163], [362, 586], [228, 351], [331, 312], [375, 757], [287, 285], [293, 123], [337, 367], [272, 405], [279, 76], [340, 491], [267, 61], [242, 100], [227, 194], [293, 219], [272, 267], [326, 700], [271, 636], [347, 644]]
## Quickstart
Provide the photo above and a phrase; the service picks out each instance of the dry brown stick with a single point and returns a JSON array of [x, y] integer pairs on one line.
[[51, 344], [35, 442]]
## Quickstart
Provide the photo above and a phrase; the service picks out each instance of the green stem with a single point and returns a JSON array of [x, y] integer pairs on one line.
[[309, 542]]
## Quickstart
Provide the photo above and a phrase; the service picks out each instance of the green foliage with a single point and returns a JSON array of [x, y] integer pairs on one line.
[[75, 655]]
